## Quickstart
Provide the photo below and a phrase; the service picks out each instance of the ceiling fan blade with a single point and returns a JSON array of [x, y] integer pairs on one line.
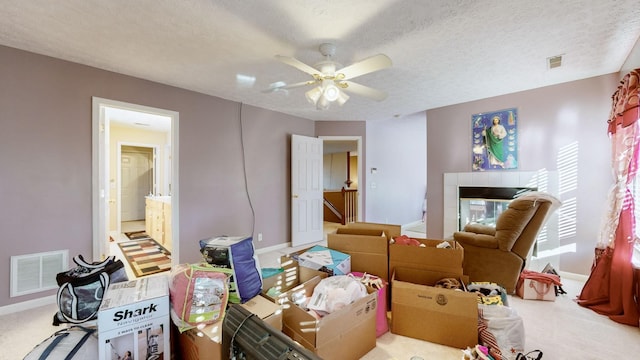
[[365, 91], [298, 65], [281, 85], [368, 65], [303, 83]]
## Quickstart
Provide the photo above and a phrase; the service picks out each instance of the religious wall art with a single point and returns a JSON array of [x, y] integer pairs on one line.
[[495, 140]]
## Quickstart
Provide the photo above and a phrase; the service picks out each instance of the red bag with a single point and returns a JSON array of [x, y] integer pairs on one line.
[[537, 286]]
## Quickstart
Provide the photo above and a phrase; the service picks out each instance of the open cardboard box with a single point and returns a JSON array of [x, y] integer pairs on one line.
[[346, 334], [438, 315], [391, 231], [429, 257], [292, 275], [368, 248]]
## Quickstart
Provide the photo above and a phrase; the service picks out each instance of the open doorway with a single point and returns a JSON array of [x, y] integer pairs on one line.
[[307, 199], [137, 174], [134, 160], [342, 176]]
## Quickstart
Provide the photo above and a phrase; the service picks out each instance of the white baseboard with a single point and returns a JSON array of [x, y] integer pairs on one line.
[[573, 276], [27, 305], [273, 248]]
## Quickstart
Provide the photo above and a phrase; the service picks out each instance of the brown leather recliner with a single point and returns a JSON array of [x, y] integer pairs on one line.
[[498, 254]]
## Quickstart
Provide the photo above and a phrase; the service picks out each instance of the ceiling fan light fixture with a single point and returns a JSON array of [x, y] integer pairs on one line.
[[322, 104], [313, 95], [342, 98], [331, 92], [329, 83]]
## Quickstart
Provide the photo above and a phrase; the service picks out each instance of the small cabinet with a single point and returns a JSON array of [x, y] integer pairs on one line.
[[166, 211], [158, 220]]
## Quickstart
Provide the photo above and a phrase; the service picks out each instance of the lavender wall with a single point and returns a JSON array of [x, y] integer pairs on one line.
[[549, 119], [45, 157]]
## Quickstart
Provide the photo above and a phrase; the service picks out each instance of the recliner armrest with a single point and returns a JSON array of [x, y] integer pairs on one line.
[[480, 229], [479, 240]]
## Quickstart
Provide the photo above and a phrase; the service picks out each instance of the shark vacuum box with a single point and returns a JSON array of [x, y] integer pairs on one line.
[[134, 318]]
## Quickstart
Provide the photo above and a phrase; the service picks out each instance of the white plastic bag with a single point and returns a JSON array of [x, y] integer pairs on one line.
[[501, 326], [335, 292]]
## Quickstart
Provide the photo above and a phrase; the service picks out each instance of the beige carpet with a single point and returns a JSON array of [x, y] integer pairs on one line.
[[561, 329]]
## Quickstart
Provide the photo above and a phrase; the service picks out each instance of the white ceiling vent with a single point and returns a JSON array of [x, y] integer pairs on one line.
[[554, 62], [36, 272]]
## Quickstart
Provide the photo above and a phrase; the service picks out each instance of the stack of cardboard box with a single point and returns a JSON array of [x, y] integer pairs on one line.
[[418, 309], [348, 333]]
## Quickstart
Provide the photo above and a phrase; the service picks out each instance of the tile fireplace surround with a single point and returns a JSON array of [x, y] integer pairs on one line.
[[546, 181]]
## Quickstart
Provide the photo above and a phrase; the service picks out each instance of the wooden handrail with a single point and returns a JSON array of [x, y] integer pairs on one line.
[[344, 209], [350, 197]]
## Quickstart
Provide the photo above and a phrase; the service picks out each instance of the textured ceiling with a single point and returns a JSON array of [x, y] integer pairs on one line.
[[444, 52]]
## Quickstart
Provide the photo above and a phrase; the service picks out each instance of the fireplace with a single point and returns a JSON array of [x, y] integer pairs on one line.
[[542, 180], [484, 204]]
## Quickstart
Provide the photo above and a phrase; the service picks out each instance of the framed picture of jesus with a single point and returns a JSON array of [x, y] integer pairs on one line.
[[495, 140]]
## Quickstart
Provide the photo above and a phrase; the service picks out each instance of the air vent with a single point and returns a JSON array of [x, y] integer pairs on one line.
[[554, 62], [36, 272]]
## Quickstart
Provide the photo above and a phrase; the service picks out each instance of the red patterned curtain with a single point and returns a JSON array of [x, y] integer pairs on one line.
[[610, 287]]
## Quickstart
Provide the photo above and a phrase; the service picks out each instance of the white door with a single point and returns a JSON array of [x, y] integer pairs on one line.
[[306, 190], [137, 181]]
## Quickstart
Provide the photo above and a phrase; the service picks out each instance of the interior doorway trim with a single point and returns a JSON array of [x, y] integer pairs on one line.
[[100, 172], [358, 139]]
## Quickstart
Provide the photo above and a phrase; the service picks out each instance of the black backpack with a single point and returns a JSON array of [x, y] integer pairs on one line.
[[83, 287]]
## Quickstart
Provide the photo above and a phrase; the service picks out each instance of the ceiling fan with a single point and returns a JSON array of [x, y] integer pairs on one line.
[[331, 81]]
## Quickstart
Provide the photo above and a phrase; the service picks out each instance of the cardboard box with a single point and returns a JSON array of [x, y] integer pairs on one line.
[[346, 334], [429, 257], [368, 248], [267, 310], [438, 315], [391, 231], [322, 258], [206, 343], [134, 316], [291, 276], [202, 344]]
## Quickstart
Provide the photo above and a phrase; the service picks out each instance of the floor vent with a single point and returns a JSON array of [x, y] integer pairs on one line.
[[37, 272]]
